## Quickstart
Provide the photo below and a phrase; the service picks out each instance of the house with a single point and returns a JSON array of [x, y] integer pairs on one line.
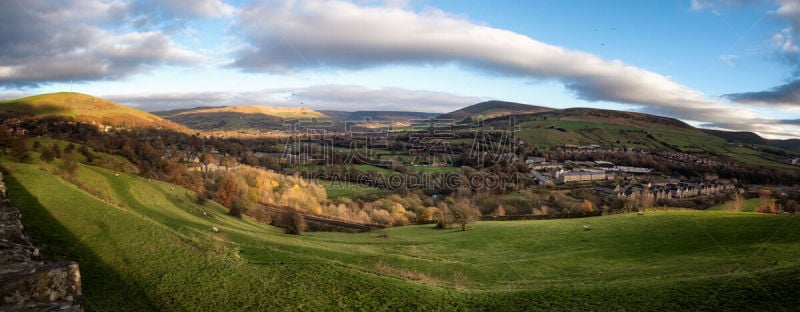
[[582, 176], [531, 161]]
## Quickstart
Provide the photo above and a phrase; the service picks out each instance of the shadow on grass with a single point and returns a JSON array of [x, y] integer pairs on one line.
[[103, 288]]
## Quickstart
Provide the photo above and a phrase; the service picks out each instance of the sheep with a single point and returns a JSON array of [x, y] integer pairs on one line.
[[215, 229], [586, 227], [640, 213]]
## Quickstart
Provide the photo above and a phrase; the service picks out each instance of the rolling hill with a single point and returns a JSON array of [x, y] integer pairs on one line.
[[586, 126], [788, 144], [85, 108], [491, 109], [238, 117], [146, 245]]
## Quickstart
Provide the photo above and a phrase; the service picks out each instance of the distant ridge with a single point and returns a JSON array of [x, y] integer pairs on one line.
[[492, 109], [238, 117], [738, 136], [750, 138], [376, 115], [624, 118]]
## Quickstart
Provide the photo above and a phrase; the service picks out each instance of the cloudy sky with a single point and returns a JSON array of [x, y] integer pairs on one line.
[[728, 64]]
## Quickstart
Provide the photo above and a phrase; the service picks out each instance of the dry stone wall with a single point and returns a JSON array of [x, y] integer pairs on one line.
[[26, 282]]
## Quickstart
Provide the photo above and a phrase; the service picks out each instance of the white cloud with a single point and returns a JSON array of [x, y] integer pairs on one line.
[[44, 42], [297, 35], [728, 59]]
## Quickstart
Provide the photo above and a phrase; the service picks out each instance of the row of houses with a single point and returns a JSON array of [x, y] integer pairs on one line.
[[667, 191], [583, 176]]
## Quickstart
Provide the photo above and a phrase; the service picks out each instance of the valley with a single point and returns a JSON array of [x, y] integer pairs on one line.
[[481, 215]]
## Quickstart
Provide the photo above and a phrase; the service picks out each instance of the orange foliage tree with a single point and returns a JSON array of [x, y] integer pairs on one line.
[[226, 193]]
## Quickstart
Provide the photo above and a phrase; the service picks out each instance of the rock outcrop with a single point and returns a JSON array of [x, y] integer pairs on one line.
[[26, 282]]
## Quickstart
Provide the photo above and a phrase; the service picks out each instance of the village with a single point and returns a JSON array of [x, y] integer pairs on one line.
[[625, 182]]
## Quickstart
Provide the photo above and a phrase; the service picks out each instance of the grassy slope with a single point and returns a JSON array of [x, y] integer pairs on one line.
[[156, 250]]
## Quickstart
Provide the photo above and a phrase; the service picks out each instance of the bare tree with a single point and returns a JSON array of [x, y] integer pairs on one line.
[[462, 212], [736, 203]]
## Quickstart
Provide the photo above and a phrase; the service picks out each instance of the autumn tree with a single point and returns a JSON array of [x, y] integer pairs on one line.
[[765, 202], [500, 211], [587, 206], [227, 191]]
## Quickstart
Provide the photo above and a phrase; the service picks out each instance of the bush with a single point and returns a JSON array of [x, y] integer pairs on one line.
[[293, 222], [380, 216], [238, 208], [47, 155], [202, 197]]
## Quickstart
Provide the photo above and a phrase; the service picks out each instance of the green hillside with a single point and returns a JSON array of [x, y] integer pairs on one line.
[[85, 108], [145, 245], [633, 130]]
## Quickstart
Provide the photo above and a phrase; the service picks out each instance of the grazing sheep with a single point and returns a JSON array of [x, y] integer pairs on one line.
[[641, 213], [205, 213], [586, 227], [215, 229], [171, 188]]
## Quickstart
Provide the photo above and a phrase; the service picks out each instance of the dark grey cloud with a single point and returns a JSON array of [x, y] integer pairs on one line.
[[791, 122], [786, 96], [43, 41], [323, 97]]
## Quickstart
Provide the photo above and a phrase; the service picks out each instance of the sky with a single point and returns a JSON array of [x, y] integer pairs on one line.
[[721, 64]]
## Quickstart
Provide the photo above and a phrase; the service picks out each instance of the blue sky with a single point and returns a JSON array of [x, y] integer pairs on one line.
[[728, 64]]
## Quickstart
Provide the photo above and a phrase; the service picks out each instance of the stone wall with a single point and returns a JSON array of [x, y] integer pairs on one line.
[[26, 282]]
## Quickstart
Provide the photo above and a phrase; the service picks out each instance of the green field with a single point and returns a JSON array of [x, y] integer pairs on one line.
[[145, 245]]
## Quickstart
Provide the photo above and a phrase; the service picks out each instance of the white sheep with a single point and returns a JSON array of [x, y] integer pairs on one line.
[[586, 227], [215, 229]]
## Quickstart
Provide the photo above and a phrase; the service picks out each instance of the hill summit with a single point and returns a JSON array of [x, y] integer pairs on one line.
[[85, 108], [492, 109]]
